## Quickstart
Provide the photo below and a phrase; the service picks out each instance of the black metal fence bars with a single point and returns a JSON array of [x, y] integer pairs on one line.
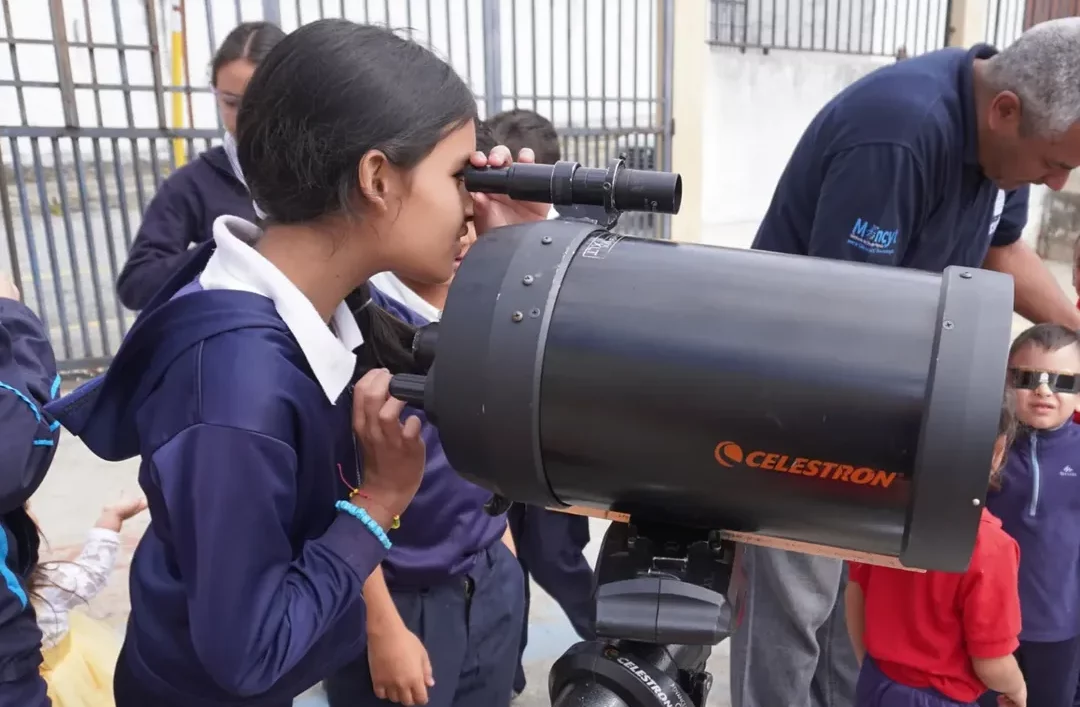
[[867, 27], [92, 119]]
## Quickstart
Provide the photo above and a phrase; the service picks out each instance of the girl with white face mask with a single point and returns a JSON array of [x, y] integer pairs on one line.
[[182, 213]]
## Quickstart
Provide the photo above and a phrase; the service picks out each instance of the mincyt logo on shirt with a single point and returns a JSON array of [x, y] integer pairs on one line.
[[873, 239]]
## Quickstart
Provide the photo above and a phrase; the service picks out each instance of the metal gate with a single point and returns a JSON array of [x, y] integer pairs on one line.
[[92, 116]]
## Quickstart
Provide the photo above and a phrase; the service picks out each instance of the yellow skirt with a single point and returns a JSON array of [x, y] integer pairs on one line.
[[79, 669]]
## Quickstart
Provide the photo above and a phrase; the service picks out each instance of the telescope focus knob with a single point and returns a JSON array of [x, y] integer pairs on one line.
[[409, 388]]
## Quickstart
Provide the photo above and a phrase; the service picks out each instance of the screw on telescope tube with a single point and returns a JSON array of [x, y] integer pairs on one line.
[[947, 324], [546, 240], [534, 312], [965, 275], [528, 279], [517, 316], [976, 502]]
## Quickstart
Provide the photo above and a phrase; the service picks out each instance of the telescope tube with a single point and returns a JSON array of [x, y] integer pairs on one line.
[[846, 405]]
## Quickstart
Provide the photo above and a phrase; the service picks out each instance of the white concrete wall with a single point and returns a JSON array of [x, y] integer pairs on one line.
[[756, 107]]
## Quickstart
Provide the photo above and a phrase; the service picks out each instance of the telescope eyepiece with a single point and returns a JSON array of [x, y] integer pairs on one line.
[[617, 188]]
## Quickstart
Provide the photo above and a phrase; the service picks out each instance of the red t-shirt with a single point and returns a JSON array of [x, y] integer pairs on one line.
[[923, 628]]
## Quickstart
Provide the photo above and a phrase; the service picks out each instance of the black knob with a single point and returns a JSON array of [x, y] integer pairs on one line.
[[409, 388], [497, 505]]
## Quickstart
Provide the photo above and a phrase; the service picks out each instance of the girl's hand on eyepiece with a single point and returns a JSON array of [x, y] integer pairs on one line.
[[495, 210], [394, 451]]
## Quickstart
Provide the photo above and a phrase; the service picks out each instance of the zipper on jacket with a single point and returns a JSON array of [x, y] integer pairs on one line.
[[1035, 474]]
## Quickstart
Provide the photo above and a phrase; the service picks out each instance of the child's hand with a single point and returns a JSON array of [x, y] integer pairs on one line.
[[1017, 699], [114, 515]]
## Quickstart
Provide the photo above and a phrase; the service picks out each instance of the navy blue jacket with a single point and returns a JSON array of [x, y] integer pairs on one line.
[[247, 587], [1039, 506], [181, 214], [28, 438], [445, 526], [888, 173]]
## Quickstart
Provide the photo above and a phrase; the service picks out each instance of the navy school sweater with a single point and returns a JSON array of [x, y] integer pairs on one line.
[[445, 527], [247, 587], [181, 214], [28, 438], [1039, 506]]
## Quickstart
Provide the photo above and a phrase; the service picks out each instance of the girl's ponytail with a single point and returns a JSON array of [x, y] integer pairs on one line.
[[387, 339]]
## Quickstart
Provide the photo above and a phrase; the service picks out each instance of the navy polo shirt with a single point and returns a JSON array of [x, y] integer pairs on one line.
[[888, 173]]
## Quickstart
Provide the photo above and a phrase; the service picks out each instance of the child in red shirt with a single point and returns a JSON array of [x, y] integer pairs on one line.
[[937, 639]]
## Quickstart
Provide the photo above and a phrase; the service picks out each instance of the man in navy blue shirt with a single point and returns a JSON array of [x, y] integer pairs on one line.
[[921, 164]]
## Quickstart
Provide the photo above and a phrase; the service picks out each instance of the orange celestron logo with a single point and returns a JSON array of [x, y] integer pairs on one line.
[[729, 454]]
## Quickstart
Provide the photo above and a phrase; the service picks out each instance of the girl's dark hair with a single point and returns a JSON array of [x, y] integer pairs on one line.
[[326, 95], [1006, 430], [249, 40], [1007, 420]]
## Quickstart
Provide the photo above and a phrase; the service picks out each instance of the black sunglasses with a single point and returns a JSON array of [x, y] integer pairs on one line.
[[1057, 382]]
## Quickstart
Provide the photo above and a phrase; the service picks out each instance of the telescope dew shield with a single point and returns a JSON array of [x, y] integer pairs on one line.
[[852, 406]]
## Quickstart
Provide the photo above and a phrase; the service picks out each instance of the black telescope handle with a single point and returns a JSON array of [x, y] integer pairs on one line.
[[409, 388]]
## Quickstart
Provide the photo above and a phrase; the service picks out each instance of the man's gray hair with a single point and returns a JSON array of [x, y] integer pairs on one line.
[[1042, 68]]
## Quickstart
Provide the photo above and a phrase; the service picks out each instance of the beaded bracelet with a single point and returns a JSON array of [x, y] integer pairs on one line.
[[361, 515]]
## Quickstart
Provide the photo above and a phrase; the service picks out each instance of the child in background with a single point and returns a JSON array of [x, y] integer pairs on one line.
[[445, 607], [1039, 506], [28, 438], [79, 653], [550, 545], [183, 210], [940, 639]]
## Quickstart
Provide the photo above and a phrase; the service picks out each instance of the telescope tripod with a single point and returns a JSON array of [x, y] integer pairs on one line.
[[660, 608]]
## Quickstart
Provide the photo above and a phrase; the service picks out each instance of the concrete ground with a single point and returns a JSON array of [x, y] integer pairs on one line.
[[79, 484]]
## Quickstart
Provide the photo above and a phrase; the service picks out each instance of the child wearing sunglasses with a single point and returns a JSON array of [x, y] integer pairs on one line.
[[1039, 506]]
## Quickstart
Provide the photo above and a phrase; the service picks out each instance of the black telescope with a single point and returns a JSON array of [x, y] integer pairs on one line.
[[851, 406], [617, 188], [711, 395]]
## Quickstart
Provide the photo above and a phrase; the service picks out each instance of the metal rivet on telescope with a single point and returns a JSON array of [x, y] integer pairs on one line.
[[528, 279], [534, 312], [976, 502], [947, 324], [517, 316], [965, 275], [546, 240]]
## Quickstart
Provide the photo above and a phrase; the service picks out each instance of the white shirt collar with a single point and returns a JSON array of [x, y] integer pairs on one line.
[[391, 286], [237, 266]]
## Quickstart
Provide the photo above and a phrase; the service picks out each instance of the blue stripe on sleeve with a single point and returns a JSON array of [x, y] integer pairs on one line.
[[55, 387], [20, 396], [10, 580]]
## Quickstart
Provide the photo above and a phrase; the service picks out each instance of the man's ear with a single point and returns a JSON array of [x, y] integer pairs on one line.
[[1005, 113]]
